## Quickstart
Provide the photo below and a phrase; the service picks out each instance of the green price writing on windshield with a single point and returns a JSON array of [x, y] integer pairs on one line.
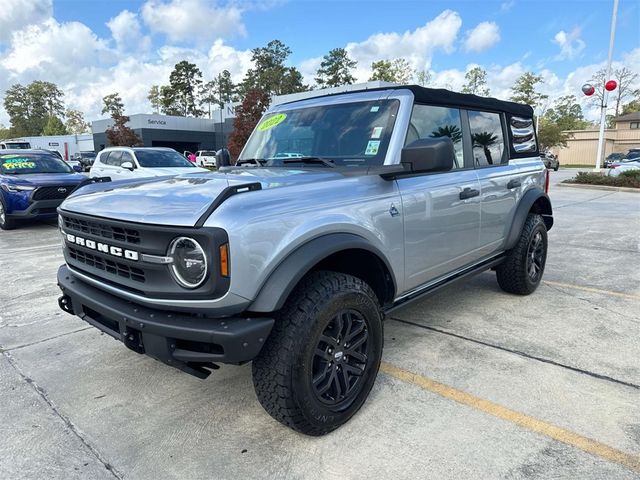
[[272, 122]]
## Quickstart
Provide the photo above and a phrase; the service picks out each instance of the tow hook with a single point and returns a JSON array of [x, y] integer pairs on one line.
[[64, 302]]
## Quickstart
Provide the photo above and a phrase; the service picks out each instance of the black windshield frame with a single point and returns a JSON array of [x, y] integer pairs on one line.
[[153, 159]]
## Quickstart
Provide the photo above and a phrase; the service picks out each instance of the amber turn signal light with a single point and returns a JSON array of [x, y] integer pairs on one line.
[[224, 260]]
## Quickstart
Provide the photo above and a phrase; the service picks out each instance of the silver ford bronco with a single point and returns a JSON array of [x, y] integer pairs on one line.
[[340, 209]]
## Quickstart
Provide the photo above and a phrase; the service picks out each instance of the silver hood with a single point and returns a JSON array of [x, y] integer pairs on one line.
[[180, 200]]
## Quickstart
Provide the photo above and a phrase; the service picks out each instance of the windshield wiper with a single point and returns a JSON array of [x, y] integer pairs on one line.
[[311, 160], [255, 161]]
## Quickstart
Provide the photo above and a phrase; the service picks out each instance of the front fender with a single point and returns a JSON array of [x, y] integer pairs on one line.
[[289, 272]]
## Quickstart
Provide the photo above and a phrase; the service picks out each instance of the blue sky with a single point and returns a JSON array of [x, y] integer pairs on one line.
[[91, 47]]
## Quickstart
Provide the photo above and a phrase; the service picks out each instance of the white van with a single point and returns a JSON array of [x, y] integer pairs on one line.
[[121, 163]]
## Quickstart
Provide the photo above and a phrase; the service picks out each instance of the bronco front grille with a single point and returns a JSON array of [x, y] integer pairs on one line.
[[103, 230], [107, 265], [58, 192]]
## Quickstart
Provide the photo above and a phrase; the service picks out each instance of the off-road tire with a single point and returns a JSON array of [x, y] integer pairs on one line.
[[282, 373], [513, 274], [7, 223]]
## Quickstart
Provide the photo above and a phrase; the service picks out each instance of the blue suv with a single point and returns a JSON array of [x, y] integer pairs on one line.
[[33, 183]]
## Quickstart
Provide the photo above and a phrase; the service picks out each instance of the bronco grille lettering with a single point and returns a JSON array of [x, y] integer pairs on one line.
[[103, 247]]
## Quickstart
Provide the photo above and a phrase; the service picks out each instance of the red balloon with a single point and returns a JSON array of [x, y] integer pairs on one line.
[[611, 85]]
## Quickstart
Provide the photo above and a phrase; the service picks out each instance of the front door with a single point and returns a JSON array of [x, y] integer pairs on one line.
[[441, 210]]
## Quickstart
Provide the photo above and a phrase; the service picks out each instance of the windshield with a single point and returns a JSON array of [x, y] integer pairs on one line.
[[349, 134], [14, 164], [207, 154], [87, 155], [161, 158]]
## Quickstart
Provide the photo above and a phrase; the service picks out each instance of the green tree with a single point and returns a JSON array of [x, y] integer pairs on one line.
[[54, 126], [154, 98], [75, 122], [113, 105], [550, 134], [335, 69], [524, 90], [168, 101], [423, 77], [270, 74], [633, 105], [476, 82], [208, 95], [185, 82], [396, 71], [226, 88], [566, 112], [30, 107], [254, 103]]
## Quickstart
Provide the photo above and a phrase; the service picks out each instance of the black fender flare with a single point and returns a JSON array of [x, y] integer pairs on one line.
[[527, 201], [283, 279]]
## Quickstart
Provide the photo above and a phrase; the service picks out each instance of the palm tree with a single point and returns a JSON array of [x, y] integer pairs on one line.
[[451, 131], [484, 140]]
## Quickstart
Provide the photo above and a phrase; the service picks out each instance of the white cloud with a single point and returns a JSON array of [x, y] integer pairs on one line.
[[126, 31], [193, 21], [417, 46], [16, 14], [506, 6], [571, 45], [485, 35]]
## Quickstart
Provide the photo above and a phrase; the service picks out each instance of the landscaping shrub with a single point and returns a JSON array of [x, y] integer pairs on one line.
[[626, 179]]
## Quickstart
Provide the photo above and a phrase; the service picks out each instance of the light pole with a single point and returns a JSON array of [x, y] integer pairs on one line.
[[610, 85]]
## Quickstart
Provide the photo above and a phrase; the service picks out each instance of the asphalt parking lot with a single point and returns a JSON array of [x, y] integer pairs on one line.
[[475, 383]]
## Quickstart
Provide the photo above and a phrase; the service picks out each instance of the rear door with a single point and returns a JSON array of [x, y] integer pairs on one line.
[[500, 182], [99, 167], [441, 210]]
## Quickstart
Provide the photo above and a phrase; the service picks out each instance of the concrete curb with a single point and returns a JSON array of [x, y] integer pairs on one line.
[[598, 187]]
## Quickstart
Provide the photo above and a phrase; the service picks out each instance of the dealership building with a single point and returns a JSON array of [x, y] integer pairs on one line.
[[180, 133]]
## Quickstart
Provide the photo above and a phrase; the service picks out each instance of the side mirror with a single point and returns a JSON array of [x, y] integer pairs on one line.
[[223, 158], [77, 168], [127, 165], [429, 155]]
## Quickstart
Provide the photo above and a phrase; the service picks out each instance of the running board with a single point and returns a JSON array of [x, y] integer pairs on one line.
[[445, 282]]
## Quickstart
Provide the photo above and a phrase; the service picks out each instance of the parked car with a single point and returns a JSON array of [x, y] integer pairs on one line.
[[292, 262], [85, 159], [550, 160], [123, 162], [33, 183], [206, 158], [14, 144], [611, 158], [631, 161]]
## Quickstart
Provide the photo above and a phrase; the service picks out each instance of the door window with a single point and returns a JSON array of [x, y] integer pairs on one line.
[[127, 157], [487, 138], [433, 122], [113, 159]]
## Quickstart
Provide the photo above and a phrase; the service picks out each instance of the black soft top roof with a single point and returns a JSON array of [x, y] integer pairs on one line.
[[441, 96]]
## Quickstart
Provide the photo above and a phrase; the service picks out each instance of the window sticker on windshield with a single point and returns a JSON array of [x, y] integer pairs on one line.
[[17, 163], [272, 122], [376, 132], [372, 147], [374, 108]]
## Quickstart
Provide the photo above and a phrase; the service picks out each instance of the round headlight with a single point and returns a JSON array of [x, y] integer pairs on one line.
[[189, 265]]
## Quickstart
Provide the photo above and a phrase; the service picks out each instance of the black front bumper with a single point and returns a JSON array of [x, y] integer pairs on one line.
[[191, 343], [37, 208]]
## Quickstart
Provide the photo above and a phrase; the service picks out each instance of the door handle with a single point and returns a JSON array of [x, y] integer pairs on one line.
[[513, 184], [469, 193]]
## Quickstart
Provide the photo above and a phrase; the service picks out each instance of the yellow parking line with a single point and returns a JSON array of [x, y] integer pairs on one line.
[[593, 290], [589, 445]]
